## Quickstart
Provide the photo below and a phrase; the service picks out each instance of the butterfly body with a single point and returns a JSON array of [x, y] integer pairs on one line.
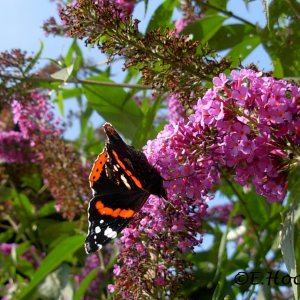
[[121, 180]]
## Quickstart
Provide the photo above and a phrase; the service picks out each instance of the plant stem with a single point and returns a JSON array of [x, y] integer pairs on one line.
[[81, 81]]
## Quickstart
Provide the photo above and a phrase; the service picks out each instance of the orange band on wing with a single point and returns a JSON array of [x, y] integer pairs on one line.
[[116, 212], [135, 180], [98, 167], [126, 213], [123, 213]]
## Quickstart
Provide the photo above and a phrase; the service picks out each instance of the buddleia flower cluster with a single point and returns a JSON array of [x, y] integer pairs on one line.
[[246, 125], [30, 134]]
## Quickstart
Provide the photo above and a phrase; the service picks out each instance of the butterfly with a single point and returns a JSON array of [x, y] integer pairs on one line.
[[121, 180]]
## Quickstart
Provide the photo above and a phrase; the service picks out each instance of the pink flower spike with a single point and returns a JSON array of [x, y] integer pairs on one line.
[[241, 95], [111, 288], [220, 81]]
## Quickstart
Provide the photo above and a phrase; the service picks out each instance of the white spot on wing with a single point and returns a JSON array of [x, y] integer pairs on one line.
[[101, 221], [99, 246], [125, 181], [97, 229], [111, 234]]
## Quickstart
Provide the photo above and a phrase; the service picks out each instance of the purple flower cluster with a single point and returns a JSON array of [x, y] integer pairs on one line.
[[126, 6], [6, 248], [189, 17], [36, 119], [247, 124], [175, 153], [51, 26], [90, 19], [255, 120], [30, 254], [14, 148], [180, 24], [176, 110], [164, 227], [35, 122], [220, 214]]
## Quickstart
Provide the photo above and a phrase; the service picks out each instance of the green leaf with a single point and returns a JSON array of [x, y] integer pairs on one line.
[[24, 207], [52, 86], [85, 284], [63, 74], [6, 235], [282, 41], [48, 230], [264, 292], [231, 35], [222, 254], [69, 59], [114, 105], [287, 249], [61, 252], [257, 207], [59, 99], [205, 28], [146, 130], [278, 12], [84, 119], [71, 93], [278, 69], [47, 209], [266, 9], [35, 59], [243, 49], [33, 181], [162, 16], [132, 73], [220, 4], [5, 193], [223, 290], [75, 57]]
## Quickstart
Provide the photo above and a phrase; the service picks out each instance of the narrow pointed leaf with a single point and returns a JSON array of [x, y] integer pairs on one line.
[[287, 248], [35, 59], [205, 28], [114, 105], [61, 252], [85, 284]]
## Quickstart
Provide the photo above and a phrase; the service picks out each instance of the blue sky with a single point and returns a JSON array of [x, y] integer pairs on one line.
[[21, 27], [21, 23]]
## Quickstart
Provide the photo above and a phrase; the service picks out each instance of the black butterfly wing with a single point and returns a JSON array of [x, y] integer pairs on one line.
[[116, 201], [109, 214]]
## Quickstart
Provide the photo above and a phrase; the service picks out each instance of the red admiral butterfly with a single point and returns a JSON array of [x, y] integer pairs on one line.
[[121, 180]]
